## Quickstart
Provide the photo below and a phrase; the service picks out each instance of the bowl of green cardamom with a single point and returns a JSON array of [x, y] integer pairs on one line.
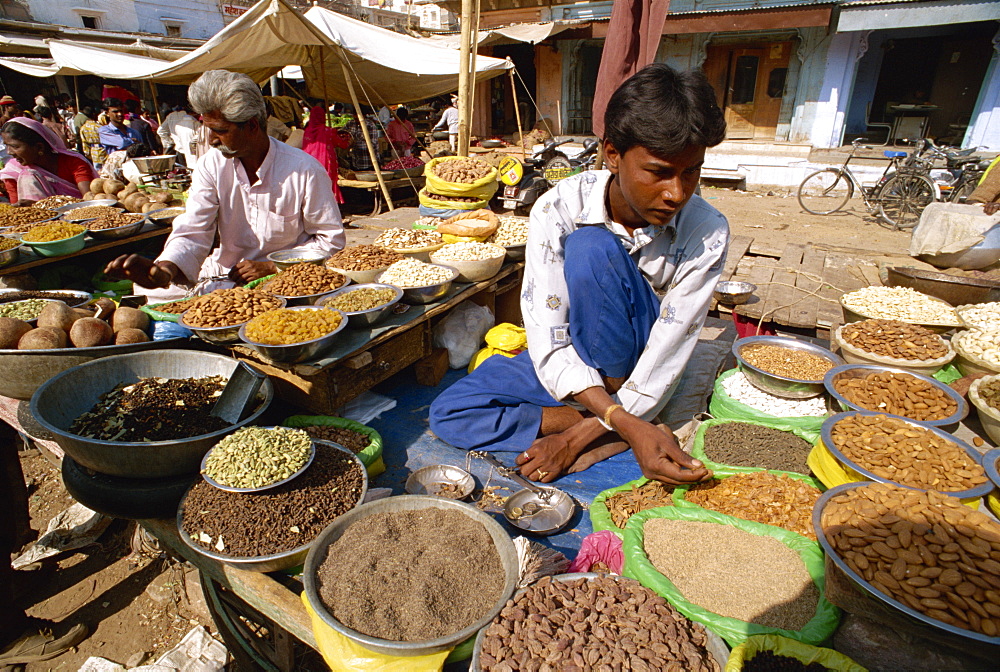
[[253, 459]]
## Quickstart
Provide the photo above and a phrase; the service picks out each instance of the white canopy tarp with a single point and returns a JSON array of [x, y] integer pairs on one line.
[[531, 33]]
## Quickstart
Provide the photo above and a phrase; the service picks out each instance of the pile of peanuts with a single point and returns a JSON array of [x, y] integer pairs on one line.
[[229, 307], [892, 338], [47, 233], [512, 231], [900, 303], [469, 252], [979, 343], [363, 258], [413, 273], [982, 316], [923, 549], [90, 212], [787, 362], [408, 239], [903, 453], [361, 299], [285, 326], [897, 393], [113, 220], [304, 279]]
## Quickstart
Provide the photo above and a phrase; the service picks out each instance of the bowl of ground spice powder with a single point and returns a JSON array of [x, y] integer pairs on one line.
[[410, 575]]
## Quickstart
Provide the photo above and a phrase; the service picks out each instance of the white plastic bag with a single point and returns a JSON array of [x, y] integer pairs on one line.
[[462, 332]]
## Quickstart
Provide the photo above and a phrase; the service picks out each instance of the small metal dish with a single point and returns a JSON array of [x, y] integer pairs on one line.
[[990, 461], [781, 386], [431, 480], [516, 252], [428, 293], [119, 231], [364, 319], [849, 371], [826, 436], [733, 293], [68, 216], [10, 255], [491, 143], [284, 258], [229, 488], [533, 513], [295, 352], [165, 216], [63, 209]]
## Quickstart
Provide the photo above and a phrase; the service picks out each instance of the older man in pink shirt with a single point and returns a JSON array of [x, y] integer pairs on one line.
[[251, 197]]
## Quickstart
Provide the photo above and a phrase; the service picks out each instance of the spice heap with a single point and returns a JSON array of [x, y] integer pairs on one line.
[[982, 344], [22, 219], [90, 212], [28, 309], [469, 251], [989, 392], [982, 316], [229, 307], [285, 326], [413, 273], [304, 279], [446, 490], [904, 453], [774, 588], [594, 624], [276, 520], [742, 390], [363, 258], [512, 231], [771, 499], [8, 243], [21, 294], [48, 233], [408, 239], [899, 303], [924, 549], [360, 300], [112, 220], [154, 409], [623, 505], [464, 170], [254, 457], [348, 438], [396, 576], [892, 338], [786, 362], [899, 394], [769, 661], [57, 201], [741, 444]]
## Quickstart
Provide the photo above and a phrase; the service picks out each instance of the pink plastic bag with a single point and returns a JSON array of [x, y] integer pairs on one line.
[[604, 547]]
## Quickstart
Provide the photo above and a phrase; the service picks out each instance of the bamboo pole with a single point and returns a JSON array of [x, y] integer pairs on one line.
[[517, 113], [364, 132], [76, 92], [463, 79], [156, 103], [474, 50]]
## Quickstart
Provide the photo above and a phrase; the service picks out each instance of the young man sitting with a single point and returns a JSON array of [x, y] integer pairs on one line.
[[605, 350]]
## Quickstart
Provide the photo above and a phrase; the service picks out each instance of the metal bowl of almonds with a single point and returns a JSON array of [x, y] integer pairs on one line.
[[785, 367], [115, 226]]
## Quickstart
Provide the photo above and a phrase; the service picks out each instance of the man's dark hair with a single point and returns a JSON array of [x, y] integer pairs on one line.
[[402, 113], [137, 150], [44, 112], [88, 112], [112, 102], [132, 105], [664, 111]]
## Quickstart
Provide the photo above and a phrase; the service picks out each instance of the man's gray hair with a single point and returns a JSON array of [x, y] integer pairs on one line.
[[232, 94]]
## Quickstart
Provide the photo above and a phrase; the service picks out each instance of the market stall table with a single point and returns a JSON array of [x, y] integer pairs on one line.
[[373, 186]]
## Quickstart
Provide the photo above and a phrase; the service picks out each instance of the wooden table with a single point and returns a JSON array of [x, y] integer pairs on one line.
[[414, 182]]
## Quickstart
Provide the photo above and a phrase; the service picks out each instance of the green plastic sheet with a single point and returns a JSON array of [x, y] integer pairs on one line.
[[724, 407], [600, 517], [948, 374], [369, 456], [734, 631]]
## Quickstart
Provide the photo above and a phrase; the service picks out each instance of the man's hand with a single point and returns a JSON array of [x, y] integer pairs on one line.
[[141, 271], [248, 271], [991, 208], [548, 458], [657, 451]]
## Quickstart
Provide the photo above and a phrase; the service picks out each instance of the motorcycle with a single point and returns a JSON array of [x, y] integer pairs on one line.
[[525, 182]]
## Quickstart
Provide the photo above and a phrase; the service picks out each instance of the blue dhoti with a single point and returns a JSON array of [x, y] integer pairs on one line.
[[612, 309]]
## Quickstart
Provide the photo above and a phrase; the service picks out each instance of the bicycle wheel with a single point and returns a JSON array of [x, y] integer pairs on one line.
[[961, 193], [825, 191], [903, 197]]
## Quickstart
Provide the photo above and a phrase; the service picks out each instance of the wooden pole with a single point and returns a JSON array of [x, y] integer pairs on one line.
[[156, 103], [517, 113], [463, 79], [474, 50], [364, 132], [76, 92]]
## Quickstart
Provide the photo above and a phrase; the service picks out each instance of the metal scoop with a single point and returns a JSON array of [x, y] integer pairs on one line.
[[514, 475], [239, 394]]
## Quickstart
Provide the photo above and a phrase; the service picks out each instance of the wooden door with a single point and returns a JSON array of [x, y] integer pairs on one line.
[[749, 82], [741, 92]]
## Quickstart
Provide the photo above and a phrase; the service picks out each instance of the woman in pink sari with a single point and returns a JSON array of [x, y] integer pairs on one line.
[[321, 142], [38, 167]]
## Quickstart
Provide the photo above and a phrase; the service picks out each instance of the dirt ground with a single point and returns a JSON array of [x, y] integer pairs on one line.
[[138, 602]]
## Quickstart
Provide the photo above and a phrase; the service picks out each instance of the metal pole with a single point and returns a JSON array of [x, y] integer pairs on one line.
[[463, 79], [517, 113], [364, 132]]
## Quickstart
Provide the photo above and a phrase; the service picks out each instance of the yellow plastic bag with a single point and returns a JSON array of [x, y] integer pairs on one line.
[[789, 648], [343, 655], [483, 188], [832, 473], [428, 200], [504, 339], [451, 238]]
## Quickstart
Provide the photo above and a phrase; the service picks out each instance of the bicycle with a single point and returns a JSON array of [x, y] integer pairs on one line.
[[897, 198]]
